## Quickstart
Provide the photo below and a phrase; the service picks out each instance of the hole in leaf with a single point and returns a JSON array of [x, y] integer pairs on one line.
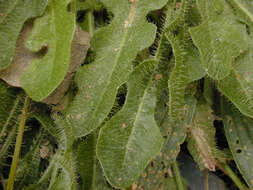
[[248, 29], [152, 164], [69, 7], [120, 100], [89, 58], [237, 141], [80, 16], [166, 175], [238, 151]]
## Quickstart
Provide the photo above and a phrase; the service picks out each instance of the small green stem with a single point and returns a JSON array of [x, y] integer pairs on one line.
[[91, 23], [73, 6], [234, 177], [19, 139], [177, 176]]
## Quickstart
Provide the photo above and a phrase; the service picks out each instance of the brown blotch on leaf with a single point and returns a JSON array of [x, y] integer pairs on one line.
[[22, 58], [123, 125], [158, 77], [79, 48]]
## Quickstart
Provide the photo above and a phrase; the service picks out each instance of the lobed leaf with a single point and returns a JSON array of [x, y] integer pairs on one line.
[[131, 138], [239, 133], [13, 14], [116, 46], [225, 38], [44, 75]]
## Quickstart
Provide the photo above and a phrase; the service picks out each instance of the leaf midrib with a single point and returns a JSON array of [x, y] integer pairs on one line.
[[124, 37], [139, 110], [241, 6]]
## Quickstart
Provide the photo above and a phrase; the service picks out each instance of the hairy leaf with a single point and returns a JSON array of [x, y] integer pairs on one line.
[[176, 132], [116, 46], [13, 15], [79, 48], [86, 160], [11, 101], [187, 62], [239, 134], [225, 38], [238, 87], [88, 166], [131, 138], [244, 9], [187, 69], [28, 170], [158, 174], [44, 75]]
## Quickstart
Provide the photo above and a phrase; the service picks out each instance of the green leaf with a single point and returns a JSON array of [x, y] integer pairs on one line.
[[187, 61], [238, 87], [13, 15], [86, 160], [44, 75], [131, 138], [10, 109], [116, 46], [28, 170], [244, 9], [225, 39], [88, 166], [239, 134], [176, 133], [47, 123], [187, 69], [158, 174]]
